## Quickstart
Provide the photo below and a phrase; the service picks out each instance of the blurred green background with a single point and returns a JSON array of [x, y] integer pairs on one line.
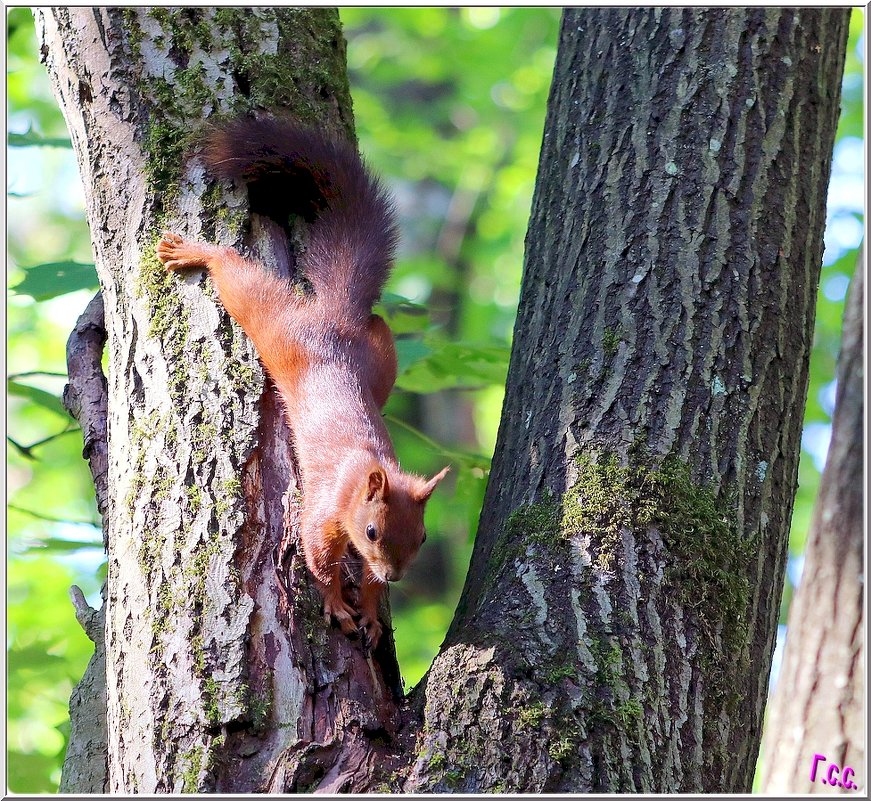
[[449, 106]]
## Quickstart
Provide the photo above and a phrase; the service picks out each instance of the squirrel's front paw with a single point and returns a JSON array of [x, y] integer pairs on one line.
[[372, 628], [176, 254], [335, 606]]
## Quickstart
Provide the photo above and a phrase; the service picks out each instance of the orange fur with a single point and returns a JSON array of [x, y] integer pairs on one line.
[[334, 374]]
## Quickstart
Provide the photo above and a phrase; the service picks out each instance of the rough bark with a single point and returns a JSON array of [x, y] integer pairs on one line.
[[85, 763], [818, 707], [617, 627], [221, 673], [85, 395]]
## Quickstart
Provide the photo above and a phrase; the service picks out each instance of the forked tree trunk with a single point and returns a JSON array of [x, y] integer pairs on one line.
[[818, 707], [617, 624]]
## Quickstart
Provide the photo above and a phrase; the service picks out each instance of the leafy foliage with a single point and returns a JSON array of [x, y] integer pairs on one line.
[[36, 395]]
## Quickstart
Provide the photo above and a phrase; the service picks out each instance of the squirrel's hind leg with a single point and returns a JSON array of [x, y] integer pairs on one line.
[[381, 358]]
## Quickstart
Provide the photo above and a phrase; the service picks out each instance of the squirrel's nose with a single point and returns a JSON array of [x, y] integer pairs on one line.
[[393, 574]]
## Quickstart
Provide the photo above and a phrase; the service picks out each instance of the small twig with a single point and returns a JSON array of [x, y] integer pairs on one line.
[[462, 388], [432, 443], [22, 449], [89, 619], [26, 450]]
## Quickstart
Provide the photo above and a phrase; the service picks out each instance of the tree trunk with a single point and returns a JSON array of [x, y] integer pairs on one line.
[[221, 673], [616, 629], [818, 707], [617, 626]]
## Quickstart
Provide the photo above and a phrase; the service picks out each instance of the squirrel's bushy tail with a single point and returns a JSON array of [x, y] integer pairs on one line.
[[293, 169]]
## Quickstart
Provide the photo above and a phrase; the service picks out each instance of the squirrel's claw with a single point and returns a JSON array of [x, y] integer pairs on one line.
[[342, 612], [372, 630], [176, 254]]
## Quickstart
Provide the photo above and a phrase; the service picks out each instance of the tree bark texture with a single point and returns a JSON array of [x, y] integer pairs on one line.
[[818, 707], [221, 673], [617, 628]]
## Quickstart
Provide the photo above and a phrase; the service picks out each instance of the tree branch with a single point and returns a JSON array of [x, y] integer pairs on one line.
[[86, 764], [85, 396], [27, 450], [818, 704]]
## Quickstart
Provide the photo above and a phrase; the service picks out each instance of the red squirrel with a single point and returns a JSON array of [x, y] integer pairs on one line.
[[332, 360]]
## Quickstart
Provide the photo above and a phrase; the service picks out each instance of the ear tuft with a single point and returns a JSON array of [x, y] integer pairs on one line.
[[377, 486], [424, 493]]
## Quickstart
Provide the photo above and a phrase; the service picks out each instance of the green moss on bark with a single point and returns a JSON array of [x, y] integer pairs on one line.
[[706, 565], [168, 318], [708, 557], [529, 717], [191, 767], [610, 342], [280, 59]]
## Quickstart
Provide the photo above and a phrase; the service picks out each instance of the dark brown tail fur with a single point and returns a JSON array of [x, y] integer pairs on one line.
[[290, 169]]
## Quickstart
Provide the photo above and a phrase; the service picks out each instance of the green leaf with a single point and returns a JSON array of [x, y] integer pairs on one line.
[[58, 545], [38, 396], [409, 351], [44, 281], [30, 772], [455, 365], [395, 304], [34, 656], [31, 139]]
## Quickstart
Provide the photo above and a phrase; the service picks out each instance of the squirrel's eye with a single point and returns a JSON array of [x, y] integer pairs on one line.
[[371, 532]]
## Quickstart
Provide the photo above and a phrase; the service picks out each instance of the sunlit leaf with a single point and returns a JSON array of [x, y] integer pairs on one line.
[[30, 773], [58, 545], [38, 396], [44, 281], [452, 365], [31, 139], [395, 304], [34, 657]]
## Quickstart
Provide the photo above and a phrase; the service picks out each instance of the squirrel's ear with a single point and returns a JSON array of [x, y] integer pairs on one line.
[[424, 493], [377, 486]]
